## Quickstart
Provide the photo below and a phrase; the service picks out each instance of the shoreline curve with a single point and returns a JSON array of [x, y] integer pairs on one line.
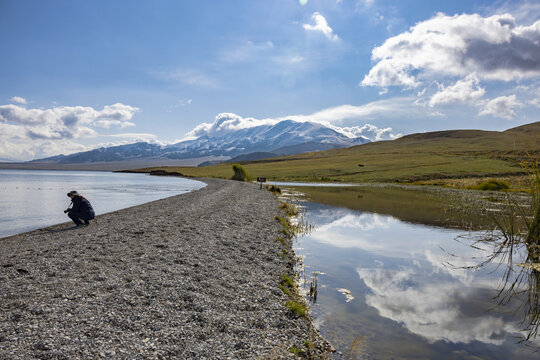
[[195, 275]]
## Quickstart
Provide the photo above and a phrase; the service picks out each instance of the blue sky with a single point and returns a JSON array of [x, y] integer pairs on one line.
[[80, 74]]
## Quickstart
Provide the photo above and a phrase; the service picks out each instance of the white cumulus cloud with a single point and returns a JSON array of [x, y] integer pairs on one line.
[[371, 132], [465, 90], [30, 133], [66, 122], [493, 48], [535, 103], [18, 100], [321, 25], [227, 122], [502, 107]]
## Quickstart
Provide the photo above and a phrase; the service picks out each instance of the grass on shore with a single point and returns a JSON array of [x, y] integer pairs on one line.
[[296, 306]]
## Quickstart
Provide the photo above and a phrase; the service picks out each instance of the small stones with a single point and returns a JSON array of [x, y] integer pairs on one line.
[[136, 285], [16, 317], [40, 346]]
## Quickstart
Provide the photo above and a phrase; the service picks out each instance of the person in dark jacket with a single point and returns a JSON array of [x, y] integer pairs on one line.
[[80, 209]]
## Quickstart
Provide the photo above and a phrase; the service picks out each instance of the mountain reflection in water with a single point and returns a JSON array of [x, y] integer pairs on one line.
[[407, 302]]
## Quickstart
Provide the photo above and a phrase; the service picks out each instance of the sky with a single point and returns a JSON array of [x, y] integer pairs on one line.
[[76, 75]]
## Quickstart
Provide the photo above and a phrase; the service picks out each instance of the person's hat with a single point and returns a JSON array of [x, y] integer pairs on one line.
[[73, 193]]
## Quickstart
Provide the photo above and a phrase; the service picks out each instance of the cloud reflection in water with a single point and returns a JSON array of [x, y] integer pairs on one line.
[[409, 283], [438, 310]]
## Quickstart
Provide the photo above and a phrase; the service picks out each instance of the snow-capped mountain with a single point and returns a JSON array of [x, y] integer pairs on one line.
[[265, 138], [282, 138]]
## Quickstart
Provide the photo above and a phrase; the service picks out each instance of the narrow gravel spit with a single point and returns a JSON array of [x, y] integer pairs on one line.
[[193, 276]]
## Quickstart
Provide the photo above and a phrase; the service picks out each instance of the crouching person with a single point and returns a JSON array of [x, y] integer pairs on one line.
[[80, 209]]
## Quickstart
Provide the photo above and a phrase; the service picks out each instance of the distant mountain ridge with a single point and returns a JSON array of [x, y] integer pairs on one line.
[[284, 138], [437, 158]]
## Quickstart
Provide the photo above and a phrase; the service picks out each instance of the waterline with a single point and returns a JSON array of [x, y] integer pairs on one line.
[[32, 199], [379, 262]]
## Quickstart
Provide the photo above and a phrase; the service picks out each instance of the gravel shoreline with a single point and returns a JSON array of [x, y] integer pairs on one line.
[[193, 276]]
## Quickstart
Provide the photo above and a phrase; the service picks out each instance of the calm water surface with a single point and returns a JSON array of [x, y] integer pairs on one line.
[[31, 199], [385, 289]]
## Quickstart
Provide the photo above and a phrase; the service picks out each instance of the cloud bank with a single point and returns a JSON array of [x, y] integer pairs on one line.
[[66, 122], [24, 131], [29, 133], [494, 48], [395, 108], [229, 122]]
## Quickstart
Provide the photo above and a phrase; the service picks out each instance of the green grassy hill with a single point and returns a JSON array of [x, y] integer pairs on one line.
[[433, 156]]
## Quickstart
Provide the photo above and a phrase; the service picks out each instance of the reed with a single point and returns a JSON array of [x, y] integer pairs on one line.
[[517, 231]]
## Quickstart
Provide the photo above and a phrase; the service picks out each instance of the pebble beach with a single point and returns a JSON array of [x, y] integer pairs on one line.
[[193, 276]]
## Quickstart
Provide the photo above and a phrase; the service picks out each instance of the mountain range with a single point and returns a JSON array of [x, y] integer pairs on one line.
[[284, 138], [452, 157]]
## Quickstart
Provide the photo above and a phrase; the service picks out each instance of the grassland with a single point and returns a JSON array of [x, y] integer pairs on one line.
[[451, 157]]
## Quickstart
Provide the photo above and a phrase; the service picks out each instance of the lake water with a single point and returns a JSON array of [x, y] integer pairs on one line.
[[32, 199], [391, 282]]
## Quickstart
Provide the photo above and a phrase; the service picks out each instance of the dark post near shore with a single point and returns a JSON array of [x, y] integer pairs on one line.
[[261, 180]]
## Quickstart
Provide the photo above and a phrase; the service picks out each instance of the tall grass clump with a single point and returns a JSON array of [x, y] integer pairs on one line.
[[289, 209], [517, 232], [493, 185], [519, 224], [533, 226], [274, 189], [287, 286], [297, 308], [240, 173]]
